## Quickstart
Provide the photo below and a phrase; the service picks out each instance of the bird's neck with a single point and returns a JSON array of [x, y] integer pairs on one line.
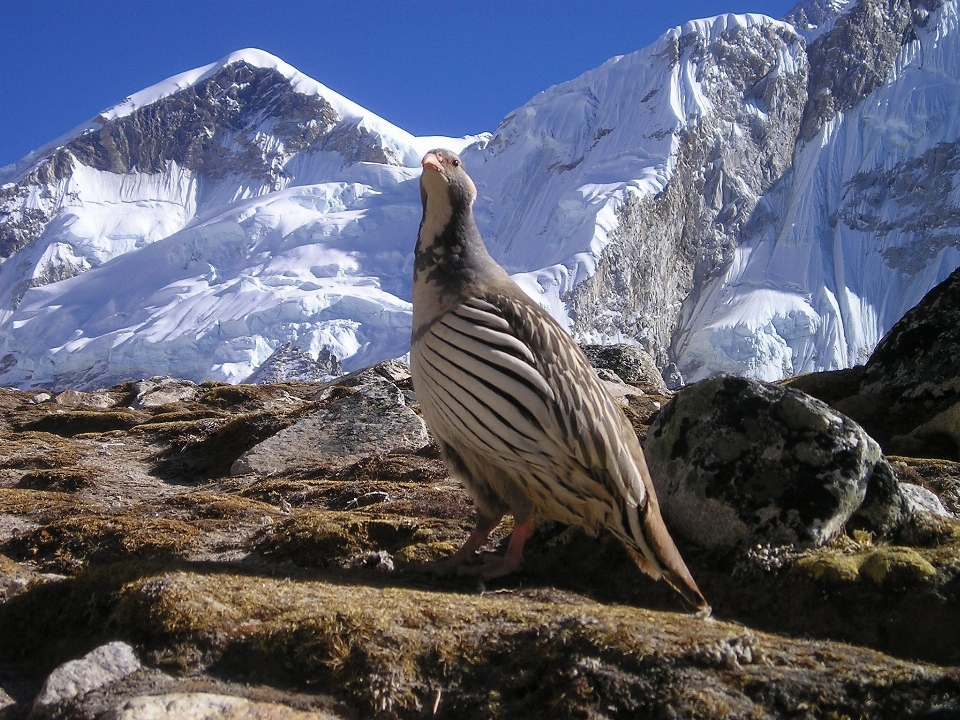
[[450, 257]]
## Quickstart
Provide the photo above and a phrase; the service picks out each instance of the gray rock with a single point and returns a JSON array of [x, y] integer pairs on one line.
[[98, 668], [738, 460], [74, 398], [208, 706], [374, 419], [394, 371], [672, 377], [609, 376], [290, 363], [920, 500], [621, 392], [158, 391], [629, 362], [920, 356]]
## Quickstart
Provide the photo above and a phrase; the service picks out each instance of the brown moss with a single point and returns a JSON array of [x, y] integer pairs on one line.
[[36, 450], [63, 479], [69, 423], [313, 538], [37, 503], [217, 506], [390, 650], [70, 544], [248, 397], [178, 413]]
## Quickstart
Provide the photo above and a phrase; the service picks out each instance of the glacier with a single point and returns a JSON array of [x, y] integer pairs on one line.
[[725, 198]]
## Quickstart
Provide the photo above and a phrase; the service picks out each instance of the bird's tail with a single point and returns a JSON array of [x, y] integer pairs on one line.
[[669, 565], [654, 551]]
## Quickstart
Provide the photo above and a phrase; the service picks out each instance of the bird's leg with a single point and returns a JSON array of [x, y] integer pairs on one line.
[[465, 554], [494, 567]]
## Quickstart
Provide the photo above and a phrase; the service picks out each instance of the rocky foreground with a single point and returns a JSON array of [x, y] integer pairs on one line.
[[169, 550]]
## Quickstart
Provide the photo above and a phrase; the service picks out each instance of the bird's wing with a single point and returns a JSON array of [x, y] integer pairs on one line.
[[588, 422], [535, 391]]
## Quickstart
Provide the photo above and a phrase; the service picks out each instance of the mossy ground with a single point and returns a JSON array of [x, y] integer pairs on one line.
[[302, 578]]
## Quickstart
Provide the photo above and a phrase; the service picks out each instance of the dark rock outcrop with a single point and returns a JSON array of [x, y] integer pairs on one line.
[[737, 461]]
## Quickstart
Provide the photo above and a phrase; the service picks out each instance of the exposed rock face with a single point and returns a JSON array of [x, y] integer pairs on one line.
[[919, 356], [290, 363], [628, 362], [213, 129], [666, 247], [851, 60], [373, 418], [907, 395], [737, 461]]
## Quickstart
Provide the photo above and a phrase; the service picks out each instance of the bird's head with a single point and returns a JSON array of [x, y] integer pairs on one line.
[[445, 179]]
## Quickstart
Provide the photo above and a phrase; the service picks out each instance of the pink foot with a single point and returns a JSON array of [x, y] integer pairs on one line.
[[494, 566]]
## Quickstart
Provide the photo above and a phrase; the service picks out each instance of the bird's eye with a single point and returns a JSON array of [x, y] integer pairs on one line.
[[456, 162]]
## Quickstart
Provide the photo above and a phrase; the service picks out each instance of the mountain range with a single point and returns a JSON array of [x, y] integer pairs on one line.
[[748, 195]]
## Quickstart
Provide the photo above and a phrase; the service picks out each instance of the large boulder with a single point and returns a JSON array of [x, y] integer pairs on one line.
[[737, 460], [372, 418], [159, 391], [630, 363]]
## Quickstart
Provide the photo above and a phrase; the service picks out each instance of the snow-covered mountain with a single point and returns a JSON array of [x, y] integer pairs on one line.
[[749, 195], [204, 222]]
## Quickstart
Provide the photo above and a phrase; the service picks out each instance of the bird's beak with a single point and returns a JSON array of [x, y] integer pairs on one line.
[[432, 162]]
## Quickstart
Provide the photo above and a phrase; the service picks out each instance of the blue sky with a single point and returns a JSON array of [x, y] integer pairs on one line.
[[433, 68]]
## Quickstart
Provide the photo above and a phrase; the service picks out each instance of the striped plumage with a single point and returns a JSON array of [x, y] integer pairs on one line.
[[520, 415]]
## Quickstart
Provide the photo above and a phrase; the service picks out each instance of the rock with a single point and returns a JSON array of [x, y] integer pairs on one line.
[[630, 363], [158, 391], [609, 376], [918, 499], [672, 377], [395, 371], [42, 397], [5, 699], [372, 420], [943, 428], [621, 392], [14, 578], [920, 356], [738, 460], [98, 668], [208, 706], [290, 363], [908, 394], [73, 398]]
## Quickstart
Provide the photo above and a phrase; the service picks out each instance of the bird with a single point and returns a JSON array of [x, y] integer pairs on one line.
[[518, 412]]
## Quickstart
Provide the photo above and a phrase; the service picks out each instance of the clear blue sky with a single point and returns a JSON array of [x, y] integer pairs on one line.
[[433, 68]]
